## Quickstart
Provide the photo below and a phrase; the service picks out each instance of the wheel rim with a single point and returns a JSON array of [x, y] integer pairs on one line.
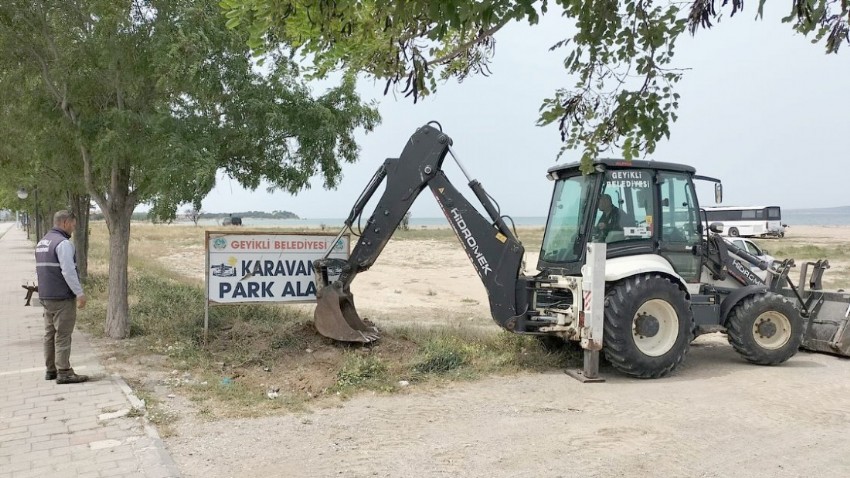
[[772, 330], [664, 327]]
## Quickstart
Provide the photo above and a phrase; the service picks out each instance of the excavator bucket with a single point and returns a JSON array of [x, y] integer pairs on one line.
[[336, 318]]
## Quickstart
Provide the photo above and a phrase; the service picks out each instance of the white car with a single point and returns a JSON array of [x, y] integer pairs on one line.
[[752, 248]]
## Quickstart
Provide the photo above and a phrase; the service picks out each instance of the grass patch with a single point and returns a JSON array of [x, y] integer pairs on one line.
[[837, 277], [469, 352], [254, 349], [269, 359], [359, 372], [804, 251], [443, 355]]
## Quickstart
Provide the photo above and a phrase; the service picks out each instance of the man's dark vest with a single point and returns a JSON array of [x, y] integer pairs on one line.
[[51, 283]]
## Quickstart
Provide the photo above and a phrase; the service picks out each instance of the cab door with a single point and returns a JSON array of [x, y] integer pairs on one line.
[[679, 233]]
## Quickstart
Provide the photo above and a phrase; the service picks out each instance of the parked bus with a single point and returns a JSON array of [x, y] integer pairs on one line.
[[748, 221]]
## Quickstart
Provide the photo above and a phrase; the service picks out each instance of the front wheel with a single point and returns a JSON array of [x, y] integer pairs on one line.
[[765, 329], [734, 232], [648, 326]]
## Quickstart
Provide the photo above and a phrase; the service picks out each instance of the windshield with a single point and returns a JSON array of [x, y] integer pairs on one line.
[[562, 241]]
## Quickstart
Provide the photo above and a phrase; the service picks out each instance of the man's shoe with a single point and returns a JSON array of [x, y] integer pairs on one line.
[[71, 378], [48, 375]]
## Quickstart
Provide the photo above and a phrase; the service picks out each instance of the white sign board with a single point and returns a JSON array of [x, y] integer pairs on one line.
[[266, 266]]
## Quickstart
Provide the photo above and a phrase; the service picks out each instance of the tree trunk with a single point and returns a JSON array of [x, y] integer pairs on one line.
[[43, 224], [117, 207], [118, 309], [80, 208]]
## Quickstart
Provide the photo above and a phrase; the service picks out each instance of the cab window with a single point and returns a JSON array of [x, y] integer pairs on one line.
[[624, 210], [679, 224]]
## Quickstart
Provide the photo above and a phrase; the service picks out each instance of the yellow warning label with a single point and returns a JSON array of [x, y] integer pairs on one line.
[[501, 237], [441, 190]]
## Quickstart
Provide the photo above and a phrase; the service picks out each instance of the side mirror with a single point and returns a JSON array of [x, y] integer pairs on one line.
[[718, 193], [716, 227]]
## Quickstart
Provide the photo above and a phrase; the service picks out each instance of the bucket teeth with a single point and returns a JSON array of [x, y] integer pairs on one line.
[[336, 318]]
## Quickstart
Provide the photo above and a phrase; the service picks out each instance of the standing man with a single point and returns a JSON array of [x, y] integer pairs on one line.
[[59, 291]]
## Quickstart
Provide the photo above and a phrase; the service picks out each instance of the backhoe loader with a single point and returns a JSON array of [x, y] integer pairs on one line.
[[628, 265]]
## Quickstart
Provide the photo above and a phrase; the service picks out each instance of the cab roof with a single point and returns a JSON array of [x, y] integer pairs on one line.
[[615, 163]]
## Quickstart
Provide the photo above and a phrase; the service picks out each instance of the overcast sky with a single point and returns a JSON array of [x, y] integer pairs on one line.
[[762, 109]]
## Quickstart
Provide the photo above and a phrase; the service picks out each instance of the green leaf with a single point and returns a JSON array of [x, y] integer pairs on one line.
[[233, 22]]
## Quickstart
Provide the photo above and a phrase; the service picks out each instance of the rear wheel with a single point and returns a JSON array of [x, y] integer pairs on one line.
[[733, 231], [765, 329], [648, 326]]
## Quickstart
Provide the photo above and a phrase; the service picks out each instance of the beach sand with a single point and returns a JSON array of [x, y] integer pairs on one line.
[[433, 281]]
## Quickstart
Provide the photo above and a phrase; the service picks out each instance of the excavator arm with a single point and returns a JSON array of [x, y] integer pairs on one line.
[[492, 247]]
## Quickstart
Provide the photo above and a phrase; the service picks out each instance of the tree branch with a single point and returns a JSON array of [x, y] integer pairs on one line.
[[464, 47]]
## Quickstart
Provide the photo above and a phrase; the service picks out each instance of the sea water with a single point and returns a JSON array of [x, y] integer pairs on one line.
[[839, 216]]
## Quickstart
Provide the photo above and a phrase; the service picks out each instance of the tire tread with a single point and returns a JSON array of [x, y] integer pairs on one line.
[[619, 300], [739, 324]]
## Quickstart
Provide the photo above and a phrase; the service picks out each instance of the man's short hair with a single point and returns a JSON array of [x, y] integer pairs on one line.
[[63, 215]]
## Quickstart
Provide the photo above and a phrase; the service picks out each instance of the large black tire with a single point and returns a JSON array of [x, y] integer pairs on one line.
[[665, 340], [765, 329], [733, 231]]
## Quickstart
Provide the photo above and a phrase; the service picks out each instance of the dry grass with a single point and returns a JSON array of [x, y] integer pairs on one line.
[[804, 250], [253, 351]]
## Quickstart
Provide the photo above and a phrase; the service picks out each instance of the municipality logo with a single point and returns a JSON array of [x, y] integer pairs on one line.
[[219, 243], [223, 270]]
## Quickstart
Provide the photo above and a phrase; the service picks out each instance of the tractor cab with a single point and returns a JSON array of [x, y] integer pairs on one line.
[[635, 207]]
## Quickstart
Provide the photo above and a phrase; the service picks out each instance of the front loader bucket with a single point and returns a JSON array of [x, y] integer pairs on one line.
[[828, 330], [827, 312], [336, 318]]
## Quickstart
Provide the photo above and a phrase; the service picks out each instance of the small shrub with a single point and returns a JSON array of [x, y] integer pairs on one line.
[[441, 355], [359, 370]]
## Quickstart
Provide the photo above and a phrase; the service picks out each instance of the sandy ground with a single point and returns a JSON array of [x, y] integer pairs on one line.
[[716, 416], [434, 280]]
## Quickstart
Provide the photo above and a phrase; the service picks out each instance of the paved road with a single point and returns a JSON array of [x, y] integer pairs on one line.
[[76, 430]]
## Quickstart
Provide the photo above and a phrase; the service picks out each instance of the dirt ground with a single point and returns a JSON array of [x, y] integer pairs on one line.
[[715, 416]]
